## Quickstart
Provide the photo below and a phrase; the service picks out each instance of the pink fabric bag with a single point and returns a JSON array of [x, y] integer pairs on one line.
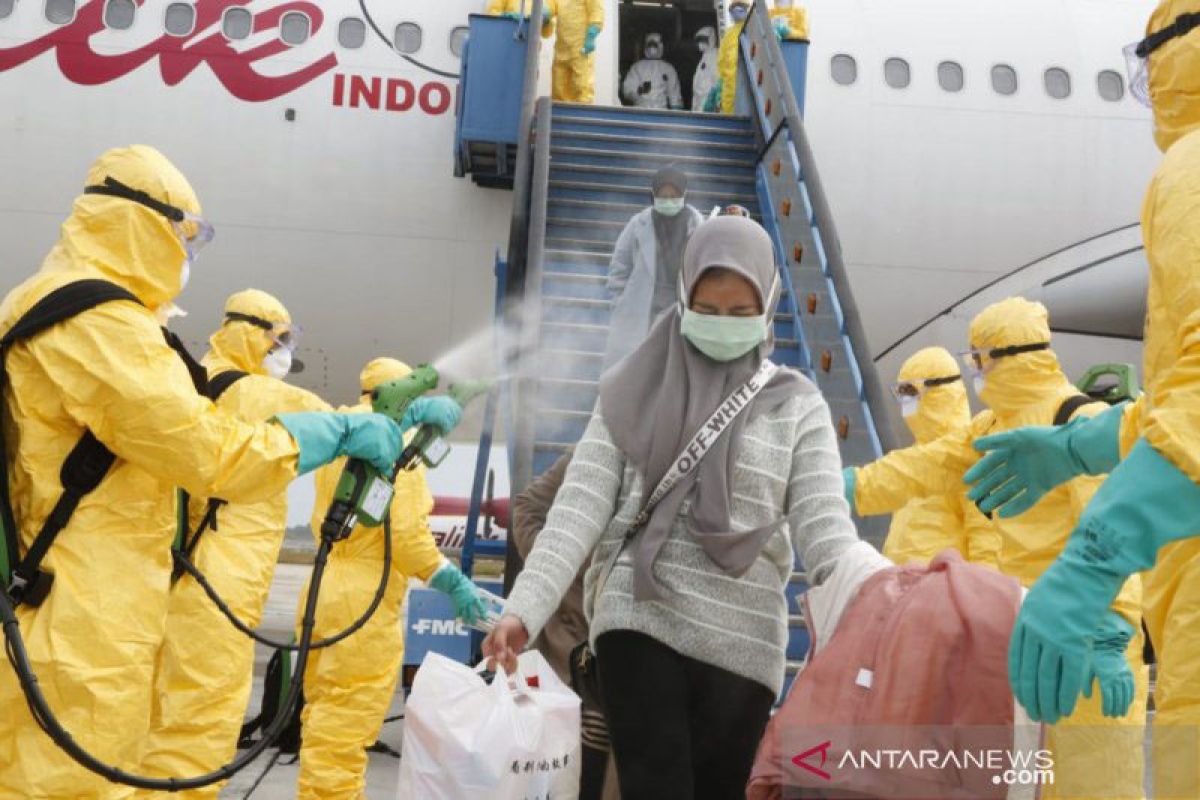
[[918, 663]]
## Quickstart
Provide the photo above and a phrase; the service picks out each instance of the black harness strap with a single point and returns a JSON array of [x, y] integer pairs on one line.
[[88, 462], [1070, 406], [217, 384]]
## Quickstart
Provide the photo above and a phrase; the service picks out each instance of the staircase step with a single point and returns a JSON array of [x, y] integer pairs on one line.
[[585, 190], [554, 363], [561, 154], [586, 311], [572, 336], [745, 153], [583, 287], [654, 130], [564, 110], [582, 245], [561, 256], [560, 427], [634, 178]]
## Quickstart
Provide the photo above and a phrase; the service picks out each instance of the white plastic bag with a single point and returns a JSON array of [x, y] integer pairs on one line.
[[465, 739]]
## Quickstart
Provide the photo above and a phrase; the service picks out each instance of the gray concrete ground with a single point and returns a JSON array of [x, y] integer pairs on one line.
[[279, 781]]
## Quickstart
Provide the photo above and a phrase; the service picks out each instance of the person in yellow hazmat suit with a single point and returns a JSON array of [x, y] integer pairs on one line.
[[93, 639], [933, 402], [579, 24], [205, 666], [790, 20], [516, 8], [1152, 496], [349, 686], [1018, 377], [723, 95]]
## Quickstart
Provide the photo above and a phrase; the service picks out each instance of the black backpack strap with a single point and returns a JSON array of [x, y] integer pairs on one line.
[[87, 463], [196, 370], [217, 384], [1070, 406]]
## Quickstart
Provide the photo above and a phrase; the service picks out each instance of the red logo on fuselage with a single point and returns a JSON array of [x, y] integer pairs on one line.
[[178, 56]]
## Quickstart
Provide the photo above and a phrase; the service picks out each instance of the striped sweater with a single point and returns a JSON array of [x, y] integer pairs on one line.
[[788, 466]]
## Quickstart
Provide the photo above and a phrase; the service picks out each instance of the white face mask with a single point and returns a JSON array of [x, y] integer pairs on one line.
[[185, 274], [278, 363], [980, 383], [909, 406], [668, 206], [703, 45], [167, 312]]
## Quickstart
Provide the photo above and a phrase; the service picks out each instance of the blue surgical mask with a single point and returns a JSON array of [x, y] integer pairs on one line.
[[723, 338], [739, 13], [668, 206]]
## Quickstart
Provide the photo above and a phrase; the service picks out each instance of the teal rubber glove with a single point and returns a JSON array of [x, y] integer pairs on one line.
[[1110, 669], [782, 29], [849, 484], [1022, 465], [442, 412], [712, 103], [322, 437], [468, 605], [589, 39], [1144, 504], [512, 15]]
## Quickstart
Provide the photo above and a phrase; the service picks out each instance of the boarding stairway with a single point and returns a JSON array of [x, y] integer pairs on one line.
[[587, 170]]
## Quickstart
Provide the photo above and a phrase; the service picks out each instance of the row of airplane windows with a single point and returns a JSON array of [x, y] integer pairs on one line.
[[237, 23], [1110, 84]]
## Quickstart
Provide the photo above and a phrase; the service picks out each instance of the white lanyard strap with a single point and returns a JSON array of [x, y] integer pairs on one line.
[[708, 434]]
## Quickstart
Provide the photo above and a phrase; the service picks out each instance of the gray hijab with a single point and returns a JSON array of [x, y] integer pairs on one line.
[[655, 399]]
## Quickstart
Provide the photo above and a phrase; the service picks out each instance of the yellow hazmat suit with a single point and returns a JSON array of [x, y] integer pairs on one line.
[[928, 525], [94, 640], [205, 668], [795, 18], [727, 66], [498, 7], [349, 686], [1168, 415], [1094, 756], [574, 78]]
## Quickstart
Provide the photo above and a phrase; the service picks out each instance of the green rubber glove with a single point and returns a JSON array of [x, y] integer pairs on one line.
[[782, 29], [1144, 504], [512, 15], [712, 103], [849, 484], [589, 39], [468, 605], [442, 412], [322, 437], [1022, 465], [1110, 669]]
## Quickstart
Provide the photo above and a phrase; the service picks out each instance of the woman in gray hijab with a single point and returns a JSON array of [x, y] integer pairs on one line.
[[644, 271], [687, 612]]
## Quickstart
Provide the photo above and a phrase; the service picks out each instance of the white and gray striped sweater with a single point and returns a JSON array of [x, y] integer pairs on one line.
[[788, 465]]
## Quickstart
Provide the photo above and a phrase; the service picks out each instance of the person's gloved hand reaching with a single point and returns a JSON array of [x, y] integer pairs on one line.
[[442, 412], [323, 437], [469, 606], [589, 39]]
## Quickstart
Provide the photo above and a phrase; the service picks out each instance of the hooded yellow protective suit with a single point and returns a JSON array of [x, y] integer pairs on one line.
[[1094, 756], [574, 76], [94, 640], [1168, 414], [928, 525], [727, 66], [205, 668], [349, 686]]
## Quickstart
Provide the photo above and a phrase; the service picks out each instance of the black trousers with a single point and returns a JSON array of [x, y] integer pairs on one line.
[[679, 728]]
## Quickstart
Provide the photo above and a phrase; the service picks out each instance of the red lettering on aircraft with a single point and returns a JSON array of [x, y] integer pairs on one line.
[[178, 56], [392, 94]]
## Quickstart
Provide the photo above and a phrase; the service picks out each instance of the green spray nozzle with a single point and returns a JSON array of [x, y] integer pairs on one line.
[[392, 398], [466, 391]]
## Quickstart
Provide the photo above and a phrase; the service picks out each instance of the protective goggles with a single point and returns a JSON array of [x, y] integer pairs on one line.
[[914, 389], [194, 232], [1137, 55], [982, 361], [283, 334]]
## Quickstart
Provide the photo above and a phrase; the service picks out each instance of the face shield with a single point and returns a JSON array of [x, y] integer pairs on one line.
[[982, 361], [1137, 55]]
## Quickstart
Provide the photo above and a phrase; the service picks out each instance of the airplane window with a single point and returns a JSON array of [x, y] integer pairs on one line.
[[237, 23], [6, 7], [844, 69], [950, 76], [1111, 85], [180, 19], [60, 12], [352, 33], [294, 28], [118, 14], [1004, 79], [1058, 83], [408, 37], [897, 73], [458, 38]]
